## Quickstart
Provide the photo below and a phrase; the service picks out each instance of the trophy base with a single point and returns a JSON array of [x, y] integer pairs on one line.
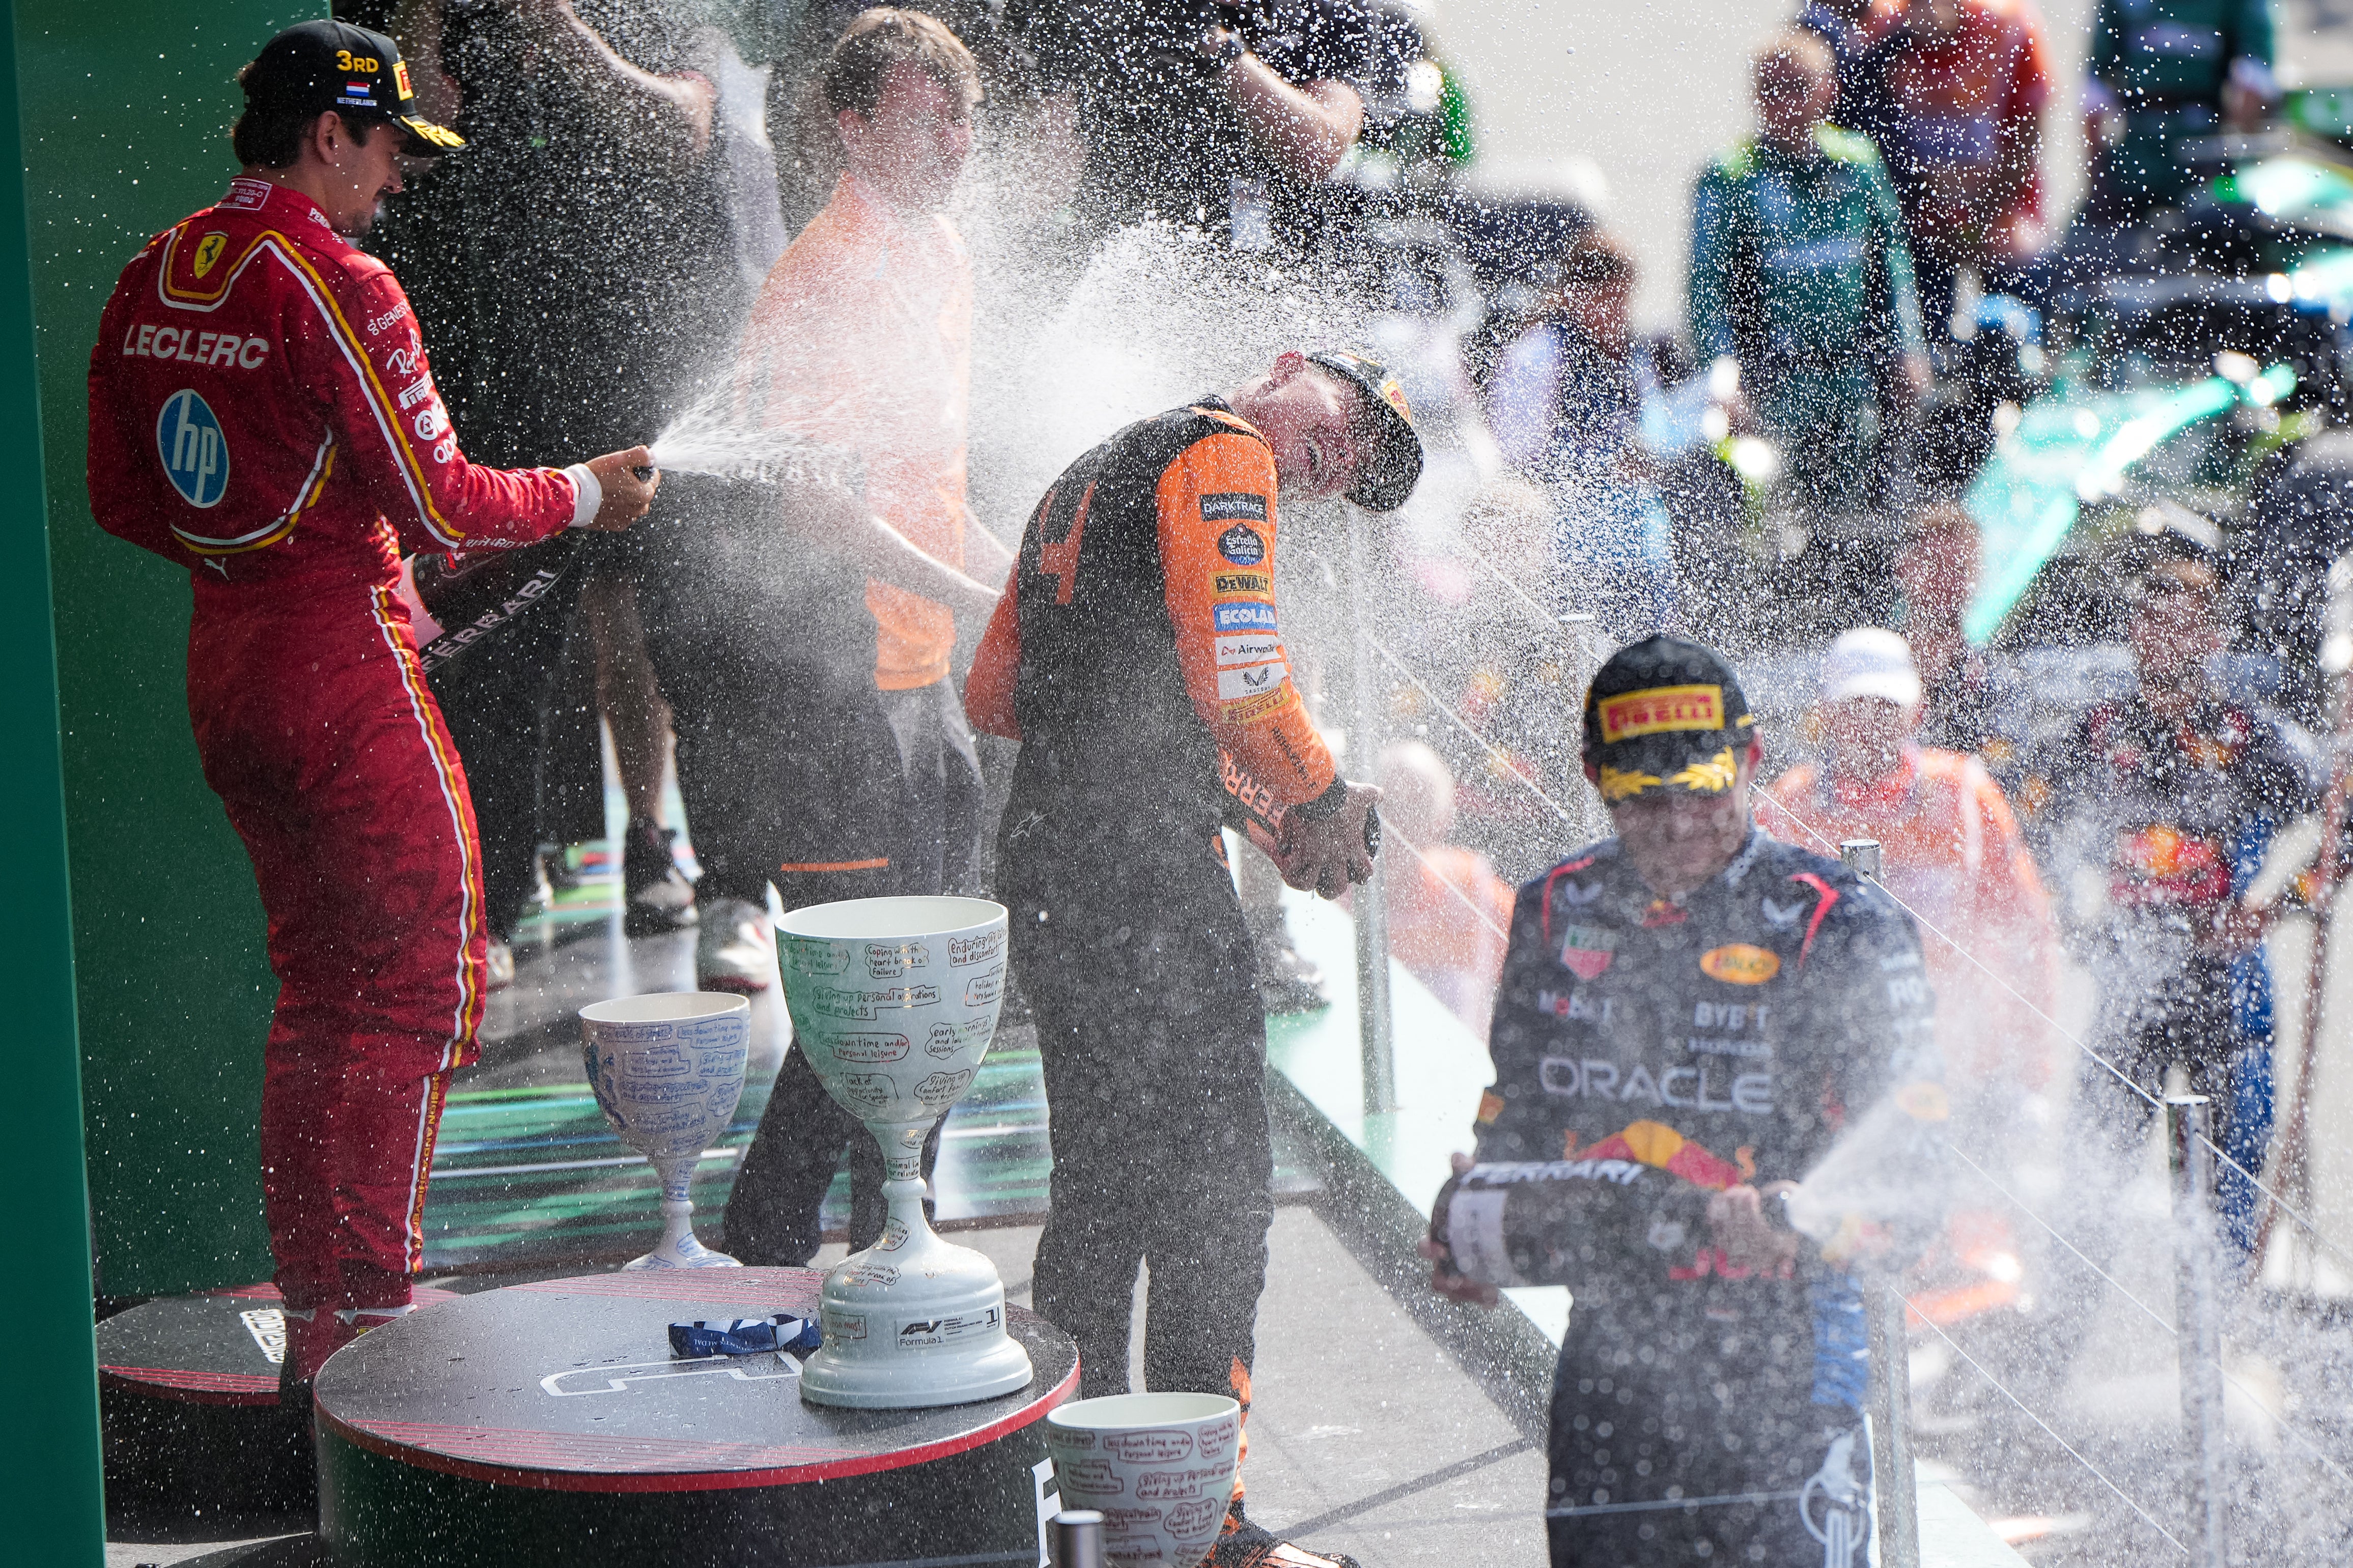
[[913, 1325], [682, 1251]]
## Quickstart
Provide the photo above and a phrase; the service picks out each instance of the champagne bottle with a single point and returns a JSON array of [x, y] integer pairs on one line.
[[1554, 1222]]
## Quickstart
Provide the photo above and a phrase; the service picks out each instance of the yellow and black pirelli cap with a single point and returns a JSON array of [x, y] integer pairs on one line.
[[1391, 464], [1665, 714], [314, 67]]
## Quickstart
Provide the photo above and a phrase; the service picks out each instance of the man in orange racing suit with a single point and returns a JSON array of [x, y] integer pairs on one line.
[[1136, 656], [262, 413]]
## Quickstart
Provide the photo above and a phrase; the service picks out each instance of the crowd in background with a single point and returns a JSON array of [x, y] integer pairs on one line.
[[1763, 480]]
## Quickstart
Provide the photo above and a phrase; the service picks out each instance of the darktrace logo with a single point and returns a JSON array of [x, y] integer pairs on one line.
[[1233, 508]]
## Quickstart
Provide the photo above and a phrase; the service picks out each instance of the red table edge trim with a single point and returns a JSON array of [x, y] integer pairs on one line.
[[694, 1481], [127, 1380]]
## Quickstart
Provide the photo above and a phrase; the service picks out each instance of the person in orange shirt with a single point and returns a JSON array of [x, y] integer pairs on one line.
[[1448, 912], [845, 766], [1951, 851]]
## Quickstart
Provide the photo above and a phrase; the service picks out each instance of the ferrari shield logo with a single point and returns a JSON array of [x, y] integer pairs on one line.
[[208, 251]]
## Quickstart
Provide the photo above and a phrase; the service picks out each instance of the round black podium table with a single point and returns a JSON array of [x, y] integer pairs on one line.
[[549, 1423], [188, 1395]]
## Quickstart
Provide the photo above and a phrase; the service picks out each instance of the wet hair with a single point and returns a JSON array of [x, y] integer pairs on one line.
[[883, 36], [1798, 49], [270, 136]]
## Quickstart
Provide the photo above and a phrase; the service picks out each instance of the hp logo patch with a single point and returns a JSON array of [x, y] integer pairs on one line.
[[195, 455]]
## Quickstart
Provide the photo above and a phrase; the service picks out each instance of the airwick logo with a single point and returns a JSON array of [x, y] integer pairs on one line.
[[947, 1040], [866, 1006], [923, 1333], [869, 1047], [1660, 710], [1233, 508], [1740, 964], [886, 961], [196, 454], [807, 957], [1256, 649], [986, 948], [1158, 1445]]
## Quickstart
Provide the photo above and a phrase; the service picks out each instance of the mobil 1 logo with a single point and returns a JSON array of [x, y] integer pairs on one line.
[[195, 453]]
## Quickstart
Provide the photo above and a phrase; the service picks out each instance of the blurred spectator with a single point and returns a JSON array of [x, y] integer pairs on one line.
[[1800, 273], [1952, 852], [1937, 567], [1448, 910], [1481, 633], [1567, 402], [1848, 28], [1961, 86], [2161, 72], [595, 112], [817, 726], [1224, 115], [2167, 801]]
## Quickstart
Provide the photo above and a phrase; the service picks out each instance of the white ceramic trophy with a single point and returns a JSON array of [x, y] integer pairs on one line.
[[1159, 1467], [668, 1069], [893, 1003]]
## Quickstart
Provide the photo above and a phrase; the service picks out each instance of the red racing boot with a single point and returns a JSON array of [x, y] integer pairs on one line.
[[1247, 1546]]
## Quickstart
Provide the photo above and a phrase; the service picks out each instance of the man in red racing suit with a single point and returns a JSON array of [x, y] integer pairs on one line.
[[262, 413], [1136, 657]]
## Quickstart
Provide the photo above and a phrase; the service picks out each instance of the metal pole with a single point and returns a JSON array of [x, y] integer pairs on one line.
[[1371, 897], [1898, 1494], [2198, 1309], [1075, 1539], [1860, 856]]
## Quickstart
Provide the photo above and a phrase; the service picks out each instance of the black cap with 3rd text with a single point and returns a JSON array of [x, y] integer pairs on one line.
[[1665, 714], [316, 67], [1391, 464]]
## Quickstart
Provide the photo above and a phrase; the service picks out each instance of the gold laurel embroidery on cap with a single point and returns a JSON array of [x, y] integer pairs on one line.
[[1712, 776], [1618, 786]]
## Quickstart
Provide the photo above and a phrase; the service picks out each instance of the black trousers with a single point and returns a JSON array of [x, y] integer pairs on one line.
[[495, 698], [1128, 941], [1685, 1431]]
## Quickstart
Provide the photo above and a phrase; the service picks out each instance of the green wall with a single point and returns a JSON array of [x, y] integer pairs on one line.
[[48, 1460], [126, 105]]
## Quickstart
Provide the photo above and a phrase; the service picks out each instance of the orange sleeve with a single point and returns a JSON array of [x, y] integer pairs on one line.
[[988, 687], [1217, 521]]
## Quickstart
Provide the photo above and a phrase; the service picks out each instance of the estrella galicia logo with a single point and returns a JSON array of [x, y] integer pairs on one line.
[[195, 452], [1242, 546], [1233, 507], [1248, 615]]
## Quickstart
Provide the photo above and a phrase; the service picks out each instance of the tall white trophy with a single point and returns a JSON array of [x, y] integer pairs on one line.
[[893, 1003], [668, 1069]]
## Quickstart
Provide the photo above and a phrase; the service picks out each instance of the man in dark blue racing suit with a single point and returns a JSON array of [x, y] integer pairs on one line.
[[1708, 1000]]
